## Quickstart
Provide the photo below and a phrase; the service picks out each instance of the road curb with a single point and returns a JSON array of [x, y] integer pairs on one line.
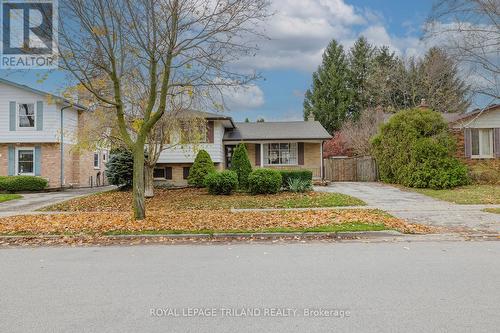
[[215, 236]]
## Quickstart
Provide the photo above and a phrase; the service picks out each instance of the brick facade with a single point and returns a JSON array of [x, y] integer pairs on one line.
[[78, 166]]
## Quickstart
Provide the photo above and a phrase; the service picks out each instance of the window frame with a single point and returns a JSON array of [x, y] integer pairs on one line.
[[18, 115], [480, 142], [32, 149], [164, 173], [98, 167], [292, 146]]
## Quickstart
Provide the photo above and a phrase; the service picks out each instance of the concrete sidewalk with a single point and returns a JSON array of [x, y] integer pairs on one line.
[[33, 201], [419, 208]]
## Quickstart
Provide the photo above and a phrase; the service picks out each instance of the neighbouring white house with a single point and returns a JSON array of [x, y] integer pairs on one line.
[[38, 136]]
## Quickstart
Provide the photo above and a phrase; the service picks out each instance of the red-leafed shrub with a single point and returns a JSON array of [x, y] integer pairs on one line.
[[337, 146]]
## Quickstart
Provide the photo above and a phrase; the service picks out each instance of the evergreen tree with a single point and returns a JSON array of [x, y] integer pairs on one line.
[[360, 65], [241, 165], [119, 168], [329, 98], [201, 167]]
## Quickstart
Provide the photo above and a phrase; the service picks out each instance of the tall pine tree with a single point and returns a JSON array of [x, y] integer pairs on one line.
[[330, 97], [360, 65]]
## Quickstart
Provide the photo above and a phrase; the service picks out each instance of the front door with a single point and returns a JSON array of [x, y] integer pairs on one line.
[[228, 153]]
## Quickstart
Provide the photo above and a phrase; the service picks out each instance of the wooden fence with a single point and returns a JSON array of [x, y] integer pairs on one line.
[[351, 169]]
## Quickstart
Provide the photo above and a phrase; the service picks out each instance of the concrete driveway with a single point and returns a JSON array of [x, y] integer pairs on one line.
[[33, 201], [419, 208]]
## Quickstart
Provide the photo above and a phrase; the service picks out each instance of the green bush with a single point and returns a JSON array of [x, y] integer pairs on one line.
[[415, 149], [486, 172], [299, 185], [201, 167], [264, 181], [287, 175], [241, 165], [120, 168], [221, 183], [22, 183]]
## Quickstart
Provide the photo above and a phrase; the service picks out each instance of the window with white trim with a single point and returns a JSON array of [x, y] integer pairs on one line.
[[280, 153], [96, 161], [482, 142], [25, 161], [26, 115]]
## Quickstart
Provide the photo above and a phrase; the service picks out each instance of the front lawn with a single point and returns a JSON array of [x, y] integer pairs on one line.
[[204, 221], [195, 211], [8, 197], [466, 195], [187, 199]]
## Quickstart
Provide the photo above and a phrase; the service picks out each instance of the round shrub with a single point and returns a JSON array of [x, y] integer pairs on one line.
[[415, 149], [120, 168], [201, 167], [221, 183], [264, 181], [22, 183], [241, 165]]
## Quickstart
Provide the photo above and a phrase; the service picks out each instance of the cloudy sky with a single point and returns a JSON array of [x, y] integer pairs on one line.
[[299, 31]]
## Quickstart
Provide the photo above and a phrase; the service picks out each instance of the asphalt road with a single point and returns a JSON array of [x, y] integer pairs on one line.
[[380, 287]]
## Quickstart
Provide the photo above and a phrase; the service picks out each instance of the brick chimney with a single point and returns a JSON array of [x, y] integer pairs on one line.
[[423, 104]]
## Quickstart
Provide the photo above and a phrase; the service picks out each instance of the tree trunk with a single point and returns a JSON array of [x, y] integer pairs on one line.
[[138, 182], [148, 181]]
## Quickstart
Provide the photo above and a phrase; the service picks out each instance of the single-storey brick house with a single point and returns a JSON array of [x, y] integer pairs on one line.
[[478, 135], [38, 132], [277, 145]]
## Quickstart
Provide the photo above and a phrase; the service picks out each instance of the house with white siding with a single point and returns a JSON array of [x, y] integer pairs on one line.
[[38, 136]]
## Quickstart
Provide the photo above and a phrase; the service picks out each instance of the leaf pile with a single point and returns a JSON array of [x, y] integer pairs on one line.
[[196, 199], [98, 223]]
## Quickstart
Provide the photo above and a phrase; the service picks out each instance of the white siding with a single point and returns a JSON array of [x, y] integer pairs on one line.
[[51, 118], [187, 153], [490, 119]]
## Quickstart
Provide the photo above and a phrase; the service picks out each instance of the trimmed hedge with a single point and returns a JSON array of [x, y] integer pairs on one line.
[[221, 183], [201, 167], [288, 175], [22, 183], [241, 165], [264, 181], [415, 149]]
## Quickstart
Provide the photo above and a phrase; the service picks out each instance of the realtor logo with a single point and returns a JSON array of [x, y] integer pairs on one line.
[[29, 34]]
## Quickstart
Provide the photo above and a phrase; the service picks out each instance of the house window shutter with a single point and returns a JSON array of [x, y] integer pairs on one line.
[[12, 116], [496, 141], [39, 116], [185, 172], [468, 143], [210, 131], [257, 154], [12, 160], [38, 160], [168, 172], [300, 152]]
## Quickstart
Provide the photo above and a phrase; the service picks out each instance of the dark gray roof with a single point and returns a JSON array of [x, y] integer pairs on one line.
[[286, 130], [43, 93], [205, 115]]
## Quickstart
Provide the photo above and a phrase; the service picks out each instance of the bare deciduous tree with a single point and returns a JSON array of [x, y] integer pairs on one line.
[[470, 30], [135, 56]]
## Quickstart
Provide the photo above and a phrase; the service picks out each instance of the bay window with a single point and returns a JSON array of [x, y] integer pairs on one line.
[[482, 142], [280, 153]]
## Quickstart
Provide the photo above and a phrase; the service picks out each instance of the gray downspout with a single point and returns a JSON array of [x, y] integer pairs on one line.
[[62, 144]]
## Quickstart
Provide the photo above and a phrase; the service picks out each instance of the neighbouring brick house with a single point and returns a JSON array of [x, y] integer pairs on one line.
[[278, 145], [478, 136], [39, 135]]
